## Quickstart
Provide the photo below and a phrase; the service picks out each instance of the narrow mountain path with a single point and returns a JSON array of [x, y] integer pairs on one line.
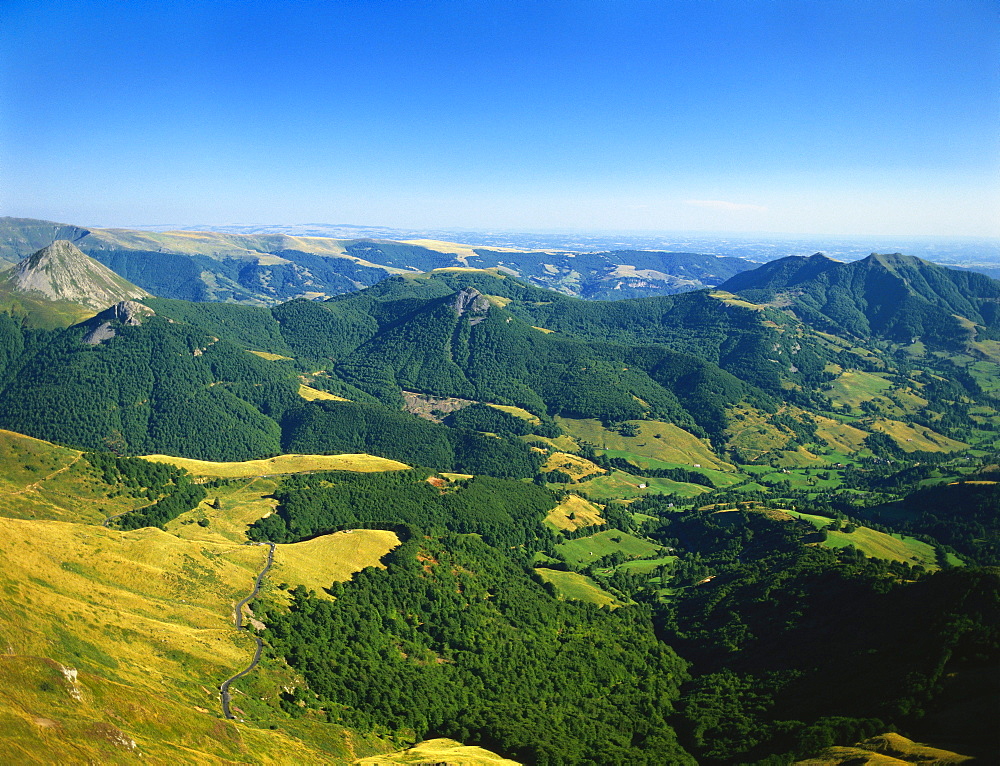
[[224, 687], [34, 486]]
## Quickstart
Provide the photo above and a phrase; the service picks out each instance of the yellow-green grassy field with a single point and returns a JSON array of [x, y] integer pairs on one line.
[[661, 441], [875, 544], [145, 620], [439, 751], [282, 464], [912, 439], [578, 587], [575, 512], [572, 465], [311, 394], [317, 563], [271, 357]]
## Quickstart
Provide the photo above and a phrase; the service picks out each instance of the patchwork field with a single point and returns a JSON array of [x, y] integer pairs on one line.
[[281, 464]]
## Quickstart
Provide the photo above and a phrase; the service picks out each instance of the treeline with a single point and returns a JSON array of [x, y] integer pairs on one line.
[[169, 486], [455, 639], [507, 514], [344, 427]]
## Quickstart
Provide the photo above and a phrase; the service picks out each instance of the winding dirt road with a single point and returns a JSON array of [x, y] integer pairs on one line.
[[224, 687]]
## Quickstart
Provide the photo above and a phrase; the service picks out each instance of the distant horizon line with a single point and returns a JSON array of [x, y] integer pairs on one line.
[[561, 231]]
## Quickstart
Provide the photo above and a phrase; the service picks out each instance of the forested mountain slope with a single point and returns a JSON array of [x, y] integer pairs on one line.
[[898, 297]]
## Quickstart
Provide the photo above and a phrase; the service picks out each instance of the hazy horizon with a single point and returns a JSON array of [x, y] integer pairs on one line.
[[767, 117]]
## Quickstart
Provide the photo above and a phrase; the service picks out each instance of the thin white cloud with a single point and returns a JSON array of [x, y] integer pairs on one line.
[[731, 207]]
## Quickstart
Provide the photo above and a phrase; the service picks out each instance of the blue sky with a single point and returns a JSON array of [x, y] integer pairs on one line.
[[813, 116]]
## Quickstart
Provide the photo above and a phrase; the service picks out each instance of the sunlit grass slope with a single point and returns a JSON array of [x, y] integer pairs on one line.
[[574, 512], [439, 751], [317, 563], [661, 441], [577, 587], [145, 621], [875, 544], [39, 480], [282, 464]]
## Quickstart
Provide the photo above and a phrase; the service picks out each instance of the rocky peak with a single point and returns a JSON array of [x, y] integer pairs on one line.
[[123, 313], [472, 302], [62, 272]]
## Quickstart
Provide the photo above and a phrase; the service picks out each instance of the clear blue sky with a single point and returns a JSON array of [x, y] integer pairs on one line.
[[817, 116]]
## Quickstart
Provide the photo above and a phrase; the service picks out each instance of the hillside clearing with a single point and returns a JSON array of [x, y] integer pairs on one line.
[[282, 464], [575, 512], [577, 587], [586, 550], [311, 394], [317, 563], [658, 440]]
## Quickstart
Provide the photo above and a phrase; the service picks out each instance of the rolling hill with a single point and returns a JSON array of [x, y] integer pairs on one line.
[[266, 269]]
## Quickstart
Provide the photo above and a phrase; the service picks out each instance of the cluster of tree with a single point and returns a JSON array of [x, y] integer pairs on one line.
[[344, 427], [780, 664], [481, 417], [171, 488], [506, 513], [455, 639]]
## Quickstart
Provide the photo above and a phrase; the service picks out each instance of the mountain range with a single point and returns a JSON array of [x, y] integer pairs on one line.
[[265, 269], [755, 522]]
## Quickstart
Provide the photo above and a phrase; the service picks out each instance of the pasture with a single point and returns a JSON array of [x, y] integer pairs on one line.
[[282, 464], [574, 512], [577, 587], [587, 550]]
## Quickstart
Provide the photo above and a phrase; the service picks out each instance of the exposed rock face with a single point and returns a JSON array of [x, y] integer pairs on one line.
[[126, 313], [472, 302], [62, 272]]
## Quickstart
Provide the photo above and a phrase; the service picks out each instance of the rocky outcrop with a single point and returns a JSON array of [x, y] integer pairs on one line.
[[124, 313], [473, 303], [62, 272]]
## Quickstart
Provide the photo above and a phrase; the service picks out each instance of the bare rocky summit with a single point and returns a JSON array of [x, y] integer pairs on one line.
[[62, 272], [124, 313], [472, 302]]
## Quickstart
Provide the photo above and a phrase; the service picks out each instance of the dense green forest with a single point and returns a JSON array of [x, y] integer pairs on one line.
[[456, 639]]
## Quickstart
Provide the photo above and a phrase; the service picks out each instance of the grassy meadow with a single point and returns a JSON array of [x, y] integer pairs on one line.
[[282, 464], [587, 550], [577, 587], [575, 512]]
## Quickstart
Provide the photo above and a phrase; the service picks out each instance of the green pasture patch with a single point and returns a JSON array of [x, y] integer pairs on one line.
[[578, 587], [618, 485], [854, 387], [586, 550], [646, 566], [875, 544]]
